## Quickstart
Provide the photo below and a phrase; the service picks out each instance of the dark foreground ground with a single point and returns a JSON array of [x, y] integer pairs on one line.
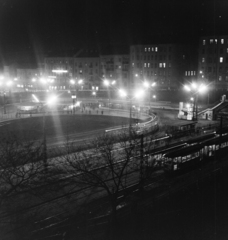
[[192, 206], [193, 212]]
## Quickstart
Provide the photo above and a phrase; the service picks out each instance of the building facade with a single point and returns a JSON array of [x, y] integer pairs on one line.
[[213, 61], [164, 64], [169, 65], [57, 72], [115, 67], [87, 68]]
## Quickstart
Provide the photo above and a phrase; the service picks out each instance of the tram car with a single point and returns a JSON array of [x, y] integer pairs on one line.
[[192, 156], [155, 156], [200, 138]]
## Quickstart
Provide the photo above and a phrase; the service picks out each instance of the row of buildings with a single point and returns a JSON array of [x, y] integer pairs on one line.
[[169, 65]]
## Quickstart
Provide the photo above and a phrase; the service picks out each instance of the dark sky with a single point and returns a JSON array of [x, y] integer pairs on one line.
[[31, 29]]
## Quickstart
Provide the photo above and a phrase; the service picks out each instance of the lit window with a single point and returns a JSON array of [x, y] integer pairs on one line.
[[220, 78], [221, 59], [204, 42], [222, 41], [164, 64], [152, 49], [160, 65], [186, 73], [203, 59], [216, 41], [145, 49], [211, 41], [156, 49], [191, 73], [148, 65], [144, 64], [148, 49]]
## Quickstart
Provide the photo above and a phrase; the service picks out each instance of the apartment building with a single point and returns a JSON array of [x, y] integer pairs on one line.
[[58, 71], [87, 68], [213, 61], [115, 67], [164, 64]]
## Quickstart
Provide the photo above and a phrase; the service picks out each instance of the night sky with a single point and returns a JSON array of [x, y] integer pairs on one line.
[[32, 29]]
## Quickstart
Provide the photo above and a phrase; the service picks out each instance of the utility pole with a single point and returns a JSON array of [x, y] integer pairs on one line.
[[4, 102], [220, 134], [130, 118], [195, 108], [73, 107], [141, 163], [44, 142]]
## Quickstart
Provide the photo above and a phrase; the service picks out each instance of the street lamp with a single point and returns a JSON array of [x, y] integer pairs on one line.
[[6, 86], [149, 87], [136, 95], [195, 88], [108, 84], [74, 96], [4, 103], [51, 101]]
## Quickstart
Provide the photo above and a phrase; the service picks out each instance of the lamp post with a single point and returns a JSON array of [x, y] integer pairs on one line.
[[50, 102], [4, 103], [149, 87], [95, 90], [73, 99], [74, 96], [6, 87], [195, 88], [44, 141], [136, 95], [108, 84]]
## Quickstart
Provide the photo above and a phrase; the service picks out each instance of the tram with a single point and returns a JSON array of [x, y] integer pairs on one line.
[[192, 156]]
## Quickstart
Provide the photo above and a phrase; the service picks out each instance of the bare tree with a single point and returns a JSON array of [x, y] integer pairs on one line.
[[20, 169], [106, 166]]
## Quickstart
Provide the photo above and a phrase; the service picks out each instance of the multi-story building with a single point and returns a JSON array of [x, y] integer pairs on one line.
[[91, 67], [190, 64], [87, 68], [164, 64], [27, 79], [213, 61], [115, 67], [58, 72]]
